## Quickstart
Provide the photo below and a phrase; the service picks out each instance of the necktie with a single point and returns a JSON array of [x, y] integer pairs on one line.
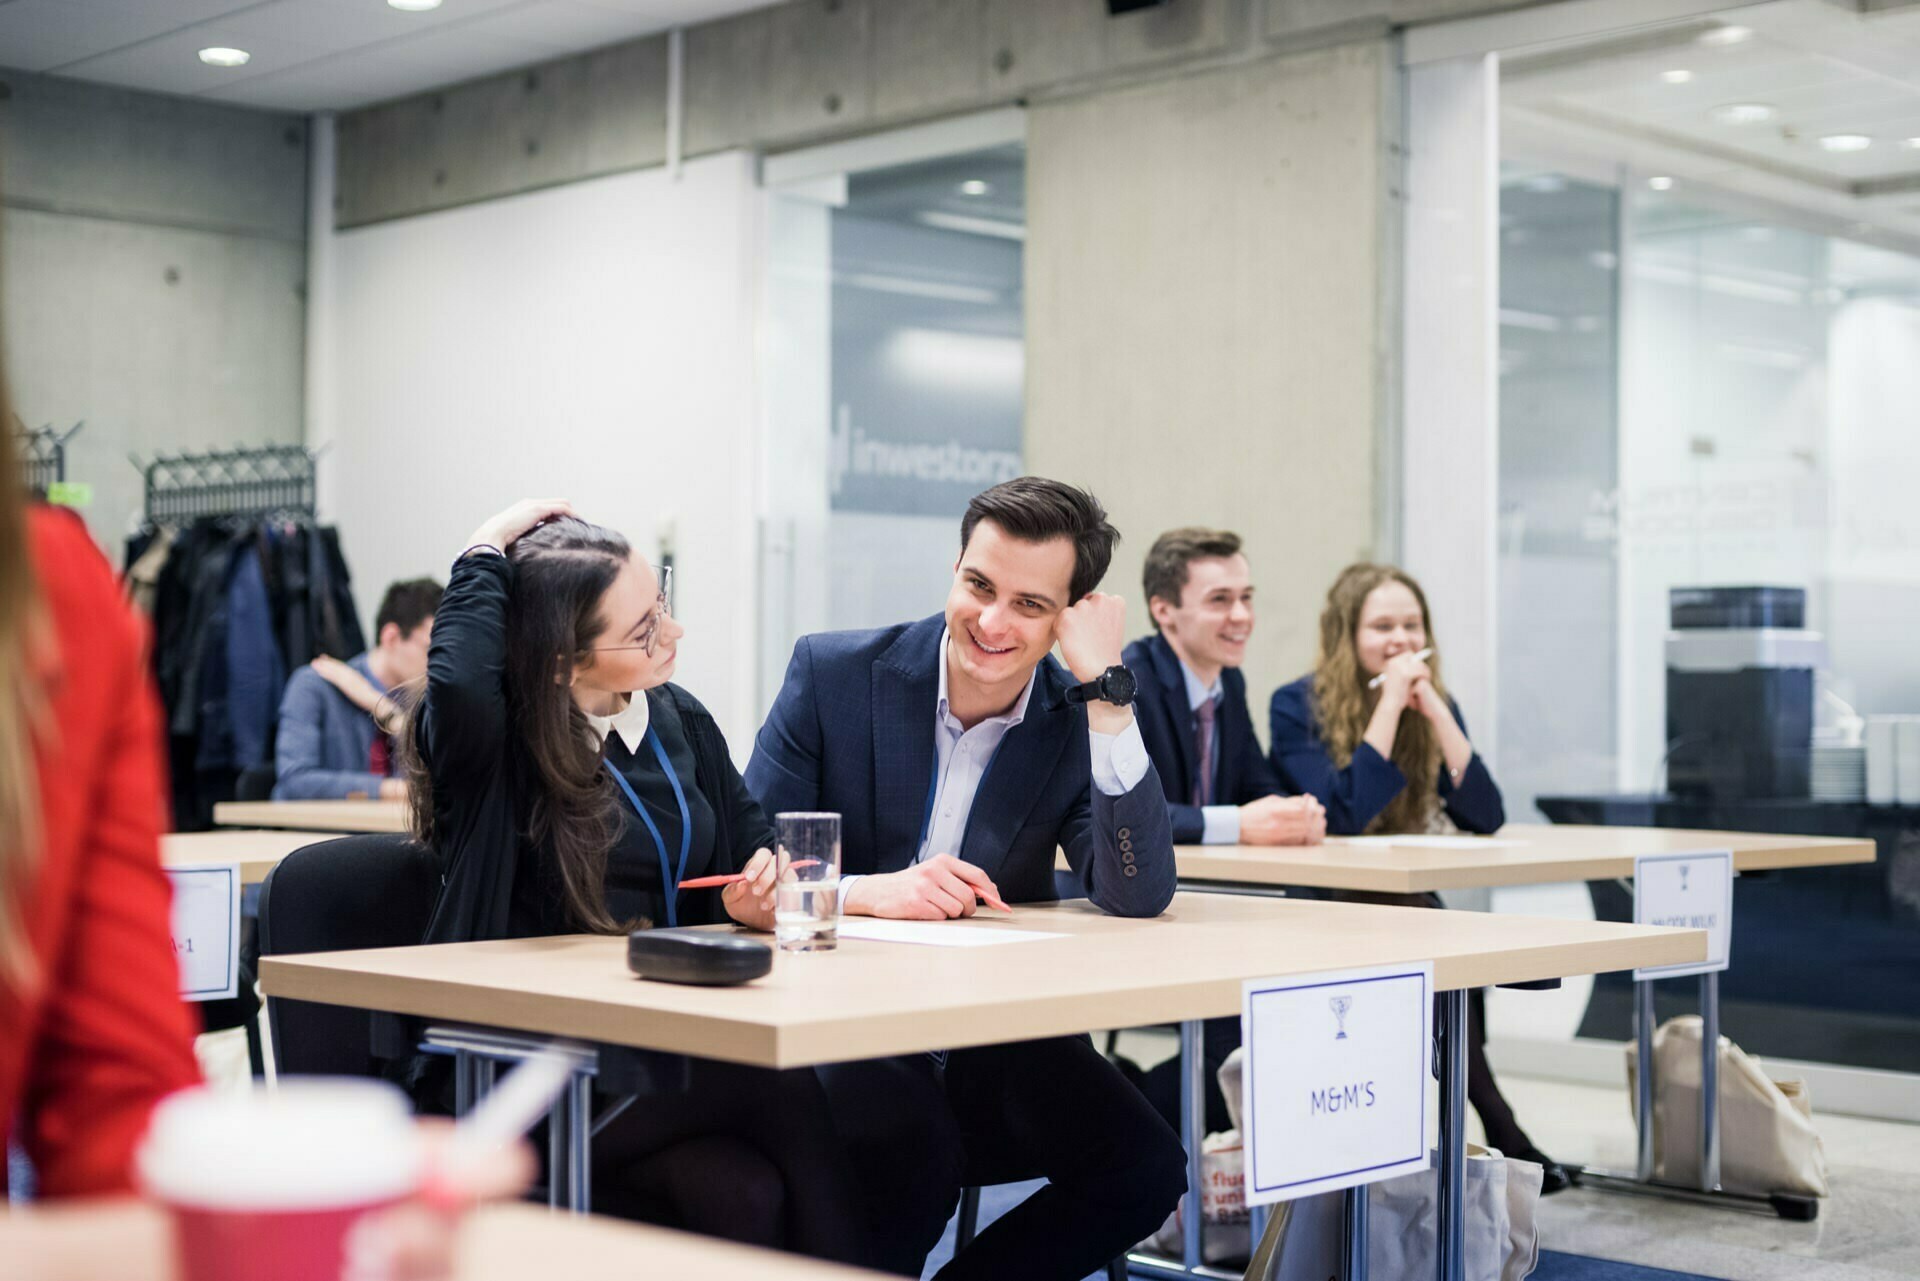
[[1203, 743]]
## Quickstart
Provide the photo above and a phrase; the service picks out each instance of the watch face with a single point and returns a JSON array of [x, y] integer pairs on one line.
[[1118, 686]]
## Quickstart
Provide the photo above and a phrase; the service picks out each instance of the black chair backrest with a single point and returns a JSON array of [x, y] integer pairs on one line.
[[354, 892]]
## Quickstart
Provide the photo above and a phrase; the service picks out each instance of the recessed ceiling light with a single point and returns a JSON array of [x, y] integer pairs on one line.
[[975, 187], [220, 57], [414, 6], [1678, 76], [1845, 142], [1743, 113], [1545, 184], [1662, 183], [1913, 143], [1726, 35]]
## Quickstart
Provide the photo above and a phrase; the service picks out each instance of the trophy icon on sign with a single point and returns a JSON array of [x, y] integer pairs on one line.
[[1340, 1005]]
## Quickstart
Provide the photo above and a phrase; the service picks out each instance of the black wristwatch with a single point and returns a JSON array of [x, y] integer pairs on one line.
[[1115, 685]]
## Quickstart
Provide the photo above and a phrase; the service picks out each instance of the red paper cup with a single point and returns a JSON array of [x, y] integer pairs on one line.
[[268, 1184]]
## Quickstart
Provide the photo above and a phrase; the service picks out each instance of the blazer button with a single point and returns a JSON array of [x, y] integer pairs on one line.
[[1126, 845], [1125, 833], [1131, 870], [1127, 859]]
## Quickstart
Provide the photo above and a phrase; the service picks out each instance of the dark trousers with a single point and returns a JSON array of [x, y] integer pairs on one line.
[[743, 1153], [917, 1132]]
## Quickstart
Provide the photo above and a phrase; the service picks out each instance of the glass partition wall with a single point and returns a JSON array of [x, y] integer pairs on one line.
[[894, 350], [1709, 375]]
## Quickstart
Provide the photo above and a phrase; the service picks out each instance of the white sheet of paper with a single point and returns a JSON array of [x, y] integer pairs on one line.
[[935, 933], [1427, 842], [206, 929]]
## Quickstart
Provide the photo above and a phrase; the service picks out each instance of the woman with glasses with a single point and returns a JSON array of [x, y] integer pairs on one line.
[[566, 786]]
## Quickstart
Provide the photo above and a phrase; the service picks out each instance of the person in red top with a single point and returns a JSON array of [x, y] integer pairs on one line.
[[95, 1031]]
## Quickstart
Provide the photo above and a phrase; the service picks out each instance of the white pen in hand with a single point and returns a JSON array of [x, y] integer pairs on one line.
[[1381, 679]]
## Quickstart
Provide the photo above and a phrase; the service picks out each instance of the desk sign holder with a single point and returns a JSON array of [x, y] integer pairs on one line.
[[206, 929], [1690, 892], [1334, 1093]]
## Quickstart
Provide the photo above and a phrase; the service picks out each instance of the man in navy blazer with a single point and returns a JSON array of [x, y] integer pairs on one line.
[[1192, 701], [1192, 707], [961, 756]]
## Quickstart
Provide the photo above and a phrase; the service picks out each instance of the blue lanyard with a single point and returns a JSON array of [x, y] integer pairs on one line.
[[669, 880]]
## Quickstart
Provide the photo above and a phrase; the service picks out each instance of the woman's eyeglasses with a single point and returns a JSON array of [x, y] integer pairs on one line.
[[662, 610]]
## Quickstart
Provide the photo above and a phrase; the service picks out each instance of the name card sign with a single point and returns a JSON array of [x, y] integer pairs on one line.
[[206, 929], [1334, 1091], [1688, 891]]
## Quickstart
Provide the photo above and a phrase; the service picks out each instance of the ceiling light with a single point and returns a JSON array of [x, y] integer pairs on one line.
[[1727, 35], [975, 187], [1678, 76], [1913, 143], [219, 57], [1743, 113], [1662, 183], [414, 6], [1845, 142]]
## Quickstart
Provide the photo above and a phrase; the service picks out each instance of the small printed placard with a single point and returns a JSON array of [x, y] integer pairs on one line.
[[206, 929], [1334, 1091], [1688, 891]]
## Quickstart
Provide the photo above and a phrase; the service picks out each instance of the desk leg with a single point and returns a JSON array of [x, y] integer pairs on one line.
[[1450, 1247], [1193, 1131], [1353, 1254], [558, 1159], [464, 1077], [580, 1143], [1643, 1074], [1709, 1082]]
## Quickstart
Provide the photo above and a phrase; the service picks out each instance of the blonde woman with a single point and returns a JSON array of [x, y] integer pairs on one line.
[[1373, 734]]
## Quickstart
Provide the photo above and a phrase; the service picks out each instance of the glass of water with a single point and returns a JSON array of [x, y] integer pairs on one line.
[[806, 903]]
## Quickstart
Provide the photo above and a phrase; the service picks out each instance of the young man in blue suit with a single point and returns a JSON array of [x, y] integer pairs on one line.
[[960, 757], [1192, 709]]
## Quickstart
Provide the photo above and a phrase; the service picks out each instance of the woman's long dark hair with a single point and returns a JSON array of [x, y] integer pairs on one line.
[[561, 570]]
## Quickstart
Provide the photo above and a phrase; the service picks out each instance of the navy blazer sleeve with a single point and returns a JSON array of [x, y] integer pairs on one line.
[[1475, 805], [1353, 796], [784, 772], [1121, 847]]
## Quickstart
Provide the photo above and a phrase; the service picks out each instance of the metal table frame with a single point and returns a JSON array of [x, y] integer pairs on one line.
[[1707, 1189]]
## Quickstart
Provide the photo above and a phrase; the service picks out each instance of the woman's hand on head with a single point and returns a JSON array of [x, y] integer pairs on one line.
[[504, 528], [750, 901]]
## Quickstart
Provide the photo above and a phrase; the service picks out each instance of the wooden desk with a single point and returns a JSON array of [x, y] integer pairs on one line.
[[127, 1240], [257, 852], [318, 816], [868, 999], [1547, 854]]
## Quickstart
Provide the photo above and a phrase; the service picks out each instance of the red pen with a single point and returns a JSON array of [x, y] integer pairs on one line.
[[708, 882]]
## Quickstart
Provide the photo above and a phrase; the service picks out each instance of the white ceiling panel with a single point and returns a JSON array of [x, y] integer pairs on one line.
[[40, 35], [313, 55]]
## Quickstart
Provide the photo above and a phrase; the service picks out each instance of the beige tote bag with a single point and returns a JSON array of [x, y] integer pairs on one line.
[[1767, 1139]]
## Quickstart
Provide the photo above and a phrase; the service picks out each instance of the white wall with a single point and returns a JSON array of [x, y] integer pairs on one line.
[[593, 342]]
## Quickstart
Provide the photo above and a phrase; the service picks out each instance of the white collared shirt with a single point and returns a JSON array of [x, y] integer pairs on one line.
[[1222, 822], [630, 723], [961, 757]]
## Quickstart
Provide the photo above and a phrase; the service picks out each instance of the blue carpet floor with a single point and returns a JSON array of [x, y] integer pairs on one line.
[[1554, 1266]]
